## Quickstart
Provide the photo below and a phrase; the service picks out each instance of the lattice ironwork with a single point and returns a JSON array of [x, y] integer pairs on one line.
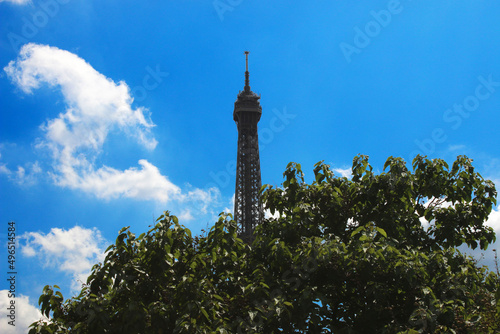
[[247, 206]]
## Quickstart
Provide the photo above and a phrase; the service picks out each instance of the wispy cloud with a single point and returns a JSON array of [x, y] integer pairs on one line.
[[186, 216], [230, 207], [72, 251], [22, 175], [17, 2], [458, 147], [344, 172], [201, 199], [194, 203], [95, 107]]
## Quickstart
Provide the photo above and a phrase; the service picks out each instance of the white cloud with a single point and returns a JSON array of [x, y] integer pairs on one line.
[[26, 314], [5, 170], [28, 177], [230, 209], [72, 251], [201, 199], [186, 216], [268, 214], [23, 175], [146, 183], [425, 223], [194, 203], [494, 221], [344, 172], [95, 106]]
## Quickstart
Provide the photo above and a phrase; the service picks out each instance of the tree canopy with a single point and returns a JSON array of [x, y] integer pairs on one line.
[[339, 255]]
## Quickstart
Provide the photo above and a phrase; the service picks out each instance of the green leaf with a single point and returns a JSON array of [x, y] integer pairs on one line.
[[381, 231], [357, 230], [205, 314]]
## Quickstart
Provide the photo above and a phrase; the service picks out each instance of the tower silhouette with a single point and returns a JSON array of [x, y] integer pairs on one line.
[[247, 207]]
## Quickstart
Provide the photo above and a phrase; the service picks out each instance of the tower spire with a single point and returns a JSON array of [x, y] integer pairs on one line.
[[247, 74]]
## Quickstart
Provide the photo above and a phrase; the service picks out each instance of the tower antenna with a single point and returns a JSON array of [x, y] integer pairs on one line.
[[247, 74]]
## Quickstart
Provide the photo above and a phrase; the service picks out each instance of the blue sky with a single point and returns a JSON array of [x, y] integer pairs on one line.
[[113, 111]]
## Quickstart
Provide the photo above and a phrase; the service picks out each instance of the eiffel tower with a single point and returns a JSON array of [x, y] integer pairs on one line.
[[247, 207]]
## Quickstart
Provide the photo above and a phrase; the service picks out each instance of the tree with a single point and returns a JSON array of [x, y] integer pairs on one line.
[[342, 256]]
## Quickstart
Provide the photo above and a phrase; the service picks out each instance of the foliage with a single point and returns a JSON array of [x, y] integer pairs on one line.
[[343, 256], [395, 201]]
